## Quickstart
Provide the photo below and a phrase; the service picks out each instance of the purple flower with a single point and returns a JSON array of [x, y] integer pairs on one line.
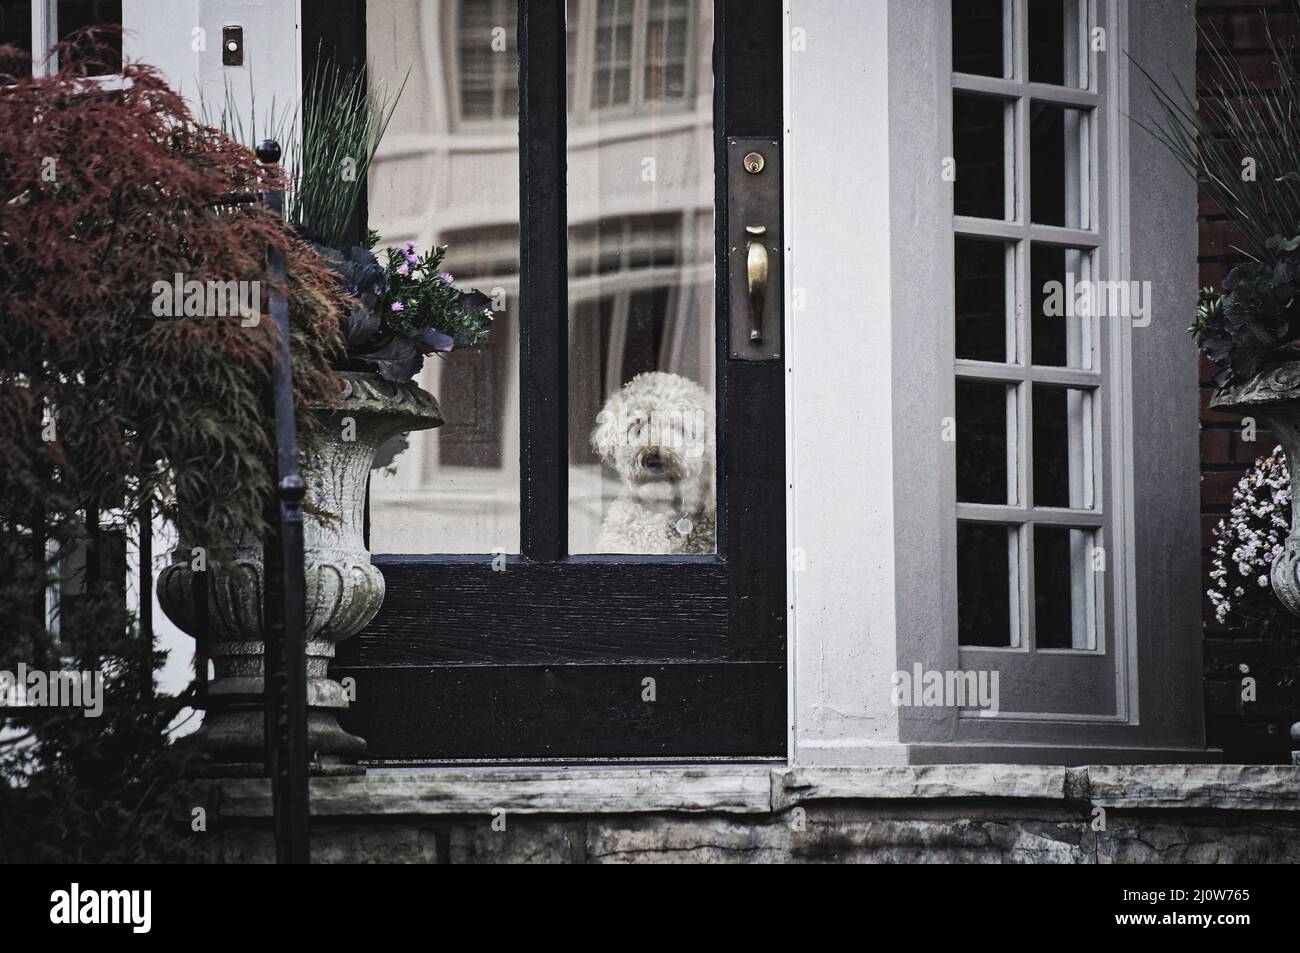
[[404, 269], [398, 306], [410, 246], [447, 277], [431, 339]]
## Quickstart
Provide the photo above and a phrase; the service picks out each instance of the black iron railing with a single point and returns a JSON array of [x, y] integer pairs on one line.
[[284, 586], [283, 583]]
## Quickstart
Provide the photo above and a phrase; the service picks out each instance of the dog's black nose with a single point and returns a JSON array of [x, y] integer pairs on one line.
[[653, 462]]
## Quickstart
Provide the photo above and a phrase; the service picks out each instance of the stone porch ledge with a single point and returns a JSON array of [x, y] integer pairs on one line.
[[770, 789], [963, 813]]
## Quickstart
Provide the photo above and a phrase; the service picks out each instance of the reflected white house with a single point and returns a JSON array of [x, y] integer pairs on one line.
[[640, 203]]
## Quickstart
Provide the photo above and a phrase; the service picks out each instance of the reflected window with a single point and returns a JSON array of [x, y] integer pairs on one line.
[[473, 383], [667, 33], [488, 67], [630, 57], [435, 182], [612, 74], [641, 252], [641, 259]]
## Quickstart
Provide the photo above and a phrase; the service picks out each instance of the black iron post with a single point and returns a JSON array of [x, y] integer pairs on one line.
[[145, 520], [284, 605]]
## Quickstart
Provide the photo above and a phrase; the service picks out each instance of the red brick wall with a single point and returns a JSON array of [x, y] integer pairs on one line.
[[1254, 731]]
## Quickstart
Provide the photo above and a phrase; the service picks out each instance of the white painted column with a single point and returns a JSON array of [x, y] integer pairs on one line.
[[841, 494]]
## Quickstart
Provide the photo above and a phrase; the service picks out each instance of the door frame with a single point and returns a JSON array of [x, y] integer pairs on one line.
[[549, 659]]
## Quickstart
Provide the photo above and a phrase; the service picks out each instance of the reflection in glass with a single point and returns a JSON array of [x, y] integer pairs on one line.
[[641, 252], [488, 82], [612, 72], [447, 173]]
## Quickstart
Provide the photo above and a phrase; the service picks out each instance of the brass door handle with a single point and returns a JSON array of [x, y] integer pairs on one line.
[[756, 272]]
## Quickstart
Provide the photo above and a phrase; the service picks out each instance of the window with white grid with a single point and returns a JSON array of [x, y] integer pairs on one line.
[[630, 57], [487, 65], [624, 58], [37, 26], [666, 72], [611, 83], [1030, 381]]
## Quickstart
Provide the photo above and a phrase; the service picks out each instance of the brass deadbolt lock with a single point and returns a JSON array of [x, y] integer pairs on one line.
[[753, 163]]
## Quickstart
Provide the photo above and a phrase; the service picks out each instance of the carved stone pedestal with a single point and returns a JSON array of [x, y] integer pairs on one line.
[[1273, 398], [344, 591]]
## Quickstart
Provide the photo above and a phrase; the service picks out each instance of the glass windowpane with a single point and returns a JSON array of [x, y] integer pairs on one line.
[[641, 297], [977, 37], [984, 471], [983, 333], [980, 130], [1058, 166], [454, 489], [1056, 43], [1061, 307], [988, 585], [1065, 588], [1063, 459]]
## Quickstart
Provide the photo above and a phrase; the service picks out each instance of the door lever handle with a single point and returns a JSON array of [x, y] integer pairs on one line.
[[756, 272]]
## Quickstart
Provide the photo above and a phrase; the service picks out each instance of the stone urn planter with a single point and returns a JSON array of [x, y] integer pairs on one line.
[[1272, 397], [344, 591]]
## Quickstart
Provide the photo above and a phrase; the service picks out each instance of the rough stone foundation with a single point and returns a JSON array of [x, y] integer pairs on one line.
[[930, 814]]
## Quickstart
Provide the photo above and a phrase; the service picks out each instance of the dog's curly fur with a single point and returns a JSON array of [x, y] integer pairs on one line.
[[658, 433]]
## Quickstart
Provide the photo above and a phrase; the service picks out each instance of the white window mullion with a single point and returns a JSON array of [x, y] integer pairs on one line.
[[1014, 231], [1021, 545], [1018, 515], [1021, 439], [1010, 20], [1020, 41], [1014, 374], [45, 34], [1040, 92], [1011, 352]]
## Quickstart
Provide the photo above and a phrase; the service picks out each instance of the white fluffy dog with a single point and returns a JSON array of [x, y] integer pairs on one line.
[[657, 432]]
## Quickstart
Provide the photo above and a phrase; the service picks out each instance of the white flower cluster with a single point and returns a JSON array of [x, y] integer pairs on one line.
[[1246, 545]]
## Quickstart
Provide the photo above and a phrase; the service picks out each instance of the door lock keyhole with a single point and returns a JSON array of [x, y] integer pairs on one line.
[[753, 163]]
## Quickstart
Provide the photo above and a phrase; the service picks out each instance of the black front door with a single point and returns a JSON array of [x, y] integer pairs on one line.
[[643, 613]]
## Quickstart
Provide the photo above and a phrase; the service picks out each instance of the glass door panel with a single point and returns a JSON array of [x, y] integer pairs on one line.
[[642, 389], [447, 174]]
